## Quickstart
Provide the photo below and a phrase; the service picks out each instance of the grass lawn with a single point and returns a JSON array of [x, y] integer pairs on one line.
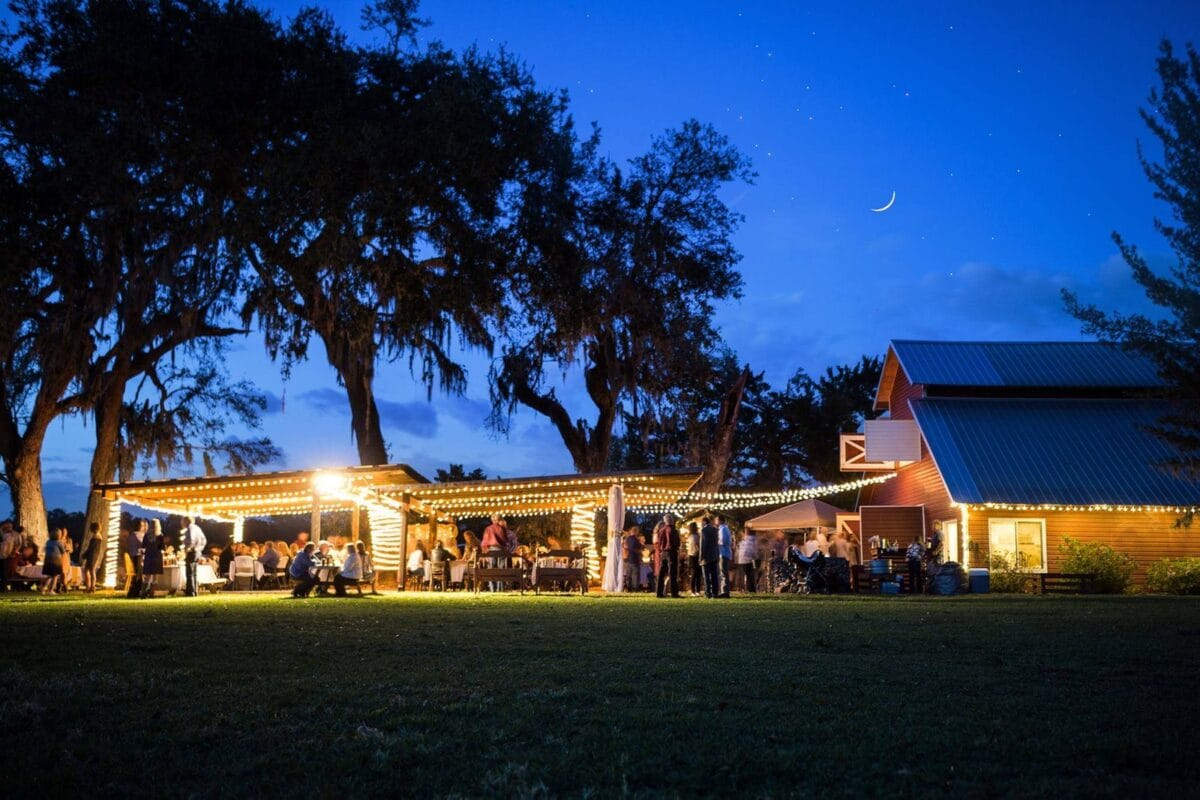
[[565, 696]]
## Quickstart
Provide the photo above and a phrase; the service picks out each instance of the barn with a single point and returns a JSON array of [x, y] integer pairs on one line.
[[1012, 447]]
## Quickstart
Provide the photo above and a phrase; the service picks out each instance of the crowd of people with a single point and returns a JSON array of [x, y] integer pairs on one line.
[[55, 567], [706, 559], [715, 558]]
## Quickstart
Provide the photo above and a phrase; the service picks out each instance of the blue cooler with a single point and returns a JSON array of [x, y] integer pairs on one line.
[[879, 566], [889, 587], [979, 581]]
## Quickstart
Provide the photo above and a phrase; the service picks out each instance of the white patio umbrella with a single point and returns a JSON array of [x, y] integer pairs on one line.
[[614, 567]]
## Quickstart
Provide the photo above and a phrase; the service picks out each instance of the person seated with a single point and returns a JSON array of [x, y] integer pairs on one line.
[[269, 558], [339, 549], [225, 559], [350, 574], [440, 553], [302, 572], [416, 563], [324, 553], [368, 566], [471, 546]]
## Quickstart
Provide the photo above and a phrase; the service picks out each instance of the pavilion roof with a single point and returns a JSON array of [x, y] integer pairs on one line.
[[293, 492], [261, 494]]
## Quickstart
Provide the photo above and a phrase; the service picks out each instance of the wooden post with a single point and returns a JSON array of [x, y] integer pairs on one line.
[[354, 514], [402, 570], [314, 533]]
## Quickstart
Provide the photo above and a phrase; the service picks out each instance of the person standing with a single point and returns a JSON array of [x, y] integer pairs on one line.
[[194, 542], [632, 554], [494, 535], [53, 556], [666, 547], [935, 546], [93, 552], [914, 554], [725, 541], [710, 558], [152, 558], [746, 555], [693, 549], [133, 547]]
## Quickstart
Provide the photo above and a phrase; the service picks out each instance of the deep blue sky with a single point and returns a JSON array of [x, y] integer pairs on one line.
[[1008, 134]]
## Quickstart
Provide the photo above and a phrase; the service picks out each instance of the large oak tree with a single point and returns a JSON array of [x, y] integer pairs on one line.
[[624, 288]]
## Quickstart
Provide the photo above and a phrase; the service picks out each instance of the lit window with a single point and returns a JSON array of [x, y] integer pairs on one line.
[[1021, 542]]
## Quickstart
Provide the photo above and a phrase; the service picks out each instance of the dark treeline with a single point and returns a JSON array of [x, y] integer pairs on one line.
[[180, 174]]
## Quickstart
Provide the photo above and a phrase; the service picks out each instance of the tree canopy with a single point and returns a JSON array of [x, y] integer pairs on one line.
[[646, 251]]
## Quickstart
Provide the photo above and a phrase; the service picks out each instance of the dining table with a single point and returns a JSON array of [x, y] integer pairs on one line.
[[458, 570], [171, 579], [325, 573]]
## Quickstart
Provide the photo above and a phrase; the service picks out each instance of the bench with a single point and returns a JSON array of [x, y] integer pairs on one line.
[[1067, 582], [482, 570], [19, 582], [565, 575]]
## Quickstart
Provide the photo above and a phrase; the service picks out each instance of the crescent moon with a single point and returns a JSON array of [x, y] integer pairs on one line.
[[889, 204]]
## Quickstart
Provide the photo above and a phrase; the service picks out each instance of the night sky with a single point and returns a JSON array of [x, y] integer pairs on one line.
[[1008, 135]]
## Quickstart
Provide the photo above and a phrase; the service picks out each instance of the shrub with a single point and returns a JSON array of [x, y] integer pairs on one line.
[[1008, 577], [1112, 569], [1174, 576]]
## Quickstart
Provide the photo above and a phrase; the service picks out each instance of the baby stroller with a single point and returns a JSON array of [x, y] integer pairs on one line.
[[809, 575], [780, 576]]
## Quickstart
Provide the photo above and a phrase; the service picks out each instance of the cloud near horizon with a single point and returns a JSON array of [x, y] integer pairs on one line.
[[416, 418]]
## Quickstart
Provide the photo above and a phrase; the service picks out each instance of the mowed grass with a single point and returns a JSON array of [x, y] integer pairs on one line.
[[422, 695]]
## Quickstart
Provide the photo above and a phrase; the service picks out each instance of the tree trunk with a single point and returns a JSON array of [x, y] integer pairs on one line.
[[25, 477], [721, 451], [107, 415], [355, 367]]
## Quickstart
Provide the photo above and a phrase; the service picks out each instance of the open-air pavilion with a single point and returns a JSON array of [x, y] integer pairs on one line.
[[389, 494]]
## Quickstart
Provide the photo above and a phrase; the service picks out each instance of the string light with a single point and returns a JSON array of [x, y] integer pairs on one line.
[[1098, 507], [648, 493], [387, 535], [112, 546], [583, 536]]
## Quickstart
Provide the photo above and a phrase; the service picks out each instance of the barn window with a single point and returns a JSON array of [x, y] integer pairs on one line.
[[1020, 541]]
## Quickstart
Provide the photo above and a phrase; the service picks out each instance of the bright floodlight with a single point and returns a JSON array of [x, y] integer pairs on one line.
[[329, 482]]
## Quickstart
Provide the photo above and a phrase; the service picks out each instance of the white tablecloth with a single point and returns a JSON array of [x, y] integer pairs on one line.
[[458, 570], [258, 570], [171, 579]]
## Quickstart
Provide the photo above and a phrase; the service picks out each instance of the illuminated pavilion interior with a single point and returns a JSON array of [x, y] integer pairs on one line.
[[388, 493]]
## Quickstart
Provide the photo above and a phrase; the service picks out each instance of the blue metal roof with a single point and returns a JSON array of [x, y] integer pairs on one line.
[[1024, 364], [1072, 452]]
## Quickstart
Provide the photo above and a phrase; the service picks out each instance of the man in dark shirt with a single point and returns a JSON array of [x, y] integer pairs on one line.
[[301, 571], [440, 555], [666, 546], [633, 559], [710, 558]]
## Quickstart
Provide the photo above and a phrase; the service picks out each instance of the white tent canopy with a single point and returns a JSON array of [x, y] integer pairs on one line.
[[805, 514]]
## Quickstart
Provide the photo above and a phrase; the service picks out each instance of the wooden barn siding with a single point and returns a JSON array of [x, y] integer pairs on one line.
[[896, 524], [914, 485], [902, 392], [1144, 537]]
